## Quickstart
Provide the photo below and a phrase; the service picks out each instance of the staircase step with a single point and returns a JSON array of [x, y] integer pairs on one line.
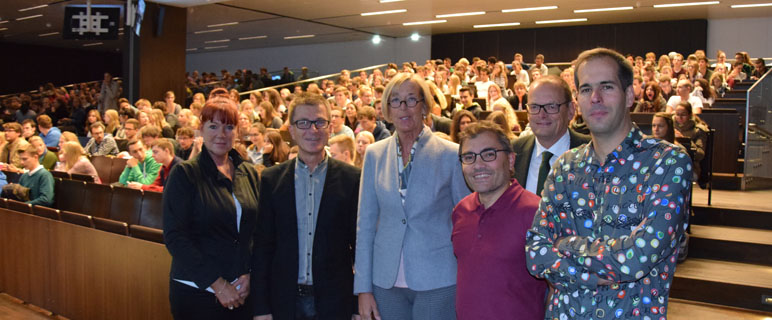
[[725, 283], [730, 217], [687, 310], [731, 244], [743, 85], [727, 181], [736, 94]]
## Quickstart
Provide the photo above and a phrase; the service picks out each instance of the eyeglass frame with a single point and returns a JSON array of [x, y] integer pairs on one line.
[[541, 107], [312, 123], [480, 154], [390, 102]]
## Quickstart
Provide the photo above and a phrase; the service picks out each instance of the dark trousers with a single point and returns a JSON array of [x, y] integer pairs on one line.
[[191, 303], [305, 309]]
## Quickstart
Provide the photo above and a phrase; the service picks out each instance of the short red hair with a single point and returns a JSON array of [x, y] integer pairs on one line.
[[222, 109]]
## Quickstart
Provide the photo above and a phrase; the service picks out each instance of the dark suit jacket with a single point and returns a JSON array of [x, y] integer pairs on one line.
[[275, 258], [524, 146], [441, 124]]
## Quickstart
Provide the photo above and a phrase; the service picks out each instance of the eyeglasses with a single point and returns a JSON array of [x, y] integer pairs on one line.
[[306, 124], [549, 108], [486, 155], [411, 102]]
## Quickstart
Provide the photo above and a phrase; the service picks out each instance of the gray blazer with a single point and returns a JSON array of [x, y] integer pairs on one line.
[[420, 229]]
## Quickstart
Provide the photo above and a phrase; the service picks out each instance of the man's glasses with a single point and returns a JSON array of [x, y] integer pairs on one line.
[[486, 155], [306, 124], [550, 108]]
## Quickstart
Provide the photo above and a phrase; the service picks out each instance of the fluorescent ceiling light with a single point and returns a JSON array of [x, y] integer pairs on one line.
[[300, 37], [33, 8], [529, 9], [462, 14], [218, 41], [561, 21], [222, 24], [603, 9], [375, 13], [685, 4], [207, 31], [415, 36], [736, 6], [217, 47], [191, 49], [47, 34], [254, 37], [387, 1], [3, 29], [29, 17], [509, 24], [4, 21], [423, 22], [92, 44]]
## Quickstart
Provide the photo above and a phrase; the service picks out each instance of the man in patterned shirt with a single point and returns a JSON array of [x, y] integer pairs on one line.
[[612, 212]]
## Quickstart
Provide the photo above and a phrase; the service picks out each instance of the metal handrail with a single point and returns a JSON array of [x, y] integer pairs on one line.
[[64, 86], [312, 79]]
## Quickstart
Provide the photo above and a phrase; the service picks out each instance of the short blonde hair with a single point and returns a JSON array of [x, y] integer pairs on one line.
[[346, 141], [396, 82]]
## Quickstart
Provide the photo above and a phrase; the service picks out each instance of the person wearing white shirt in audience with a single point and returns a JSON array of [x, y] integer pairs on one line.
[[538, 63], [337, 126], [683, 93], [483, 82]]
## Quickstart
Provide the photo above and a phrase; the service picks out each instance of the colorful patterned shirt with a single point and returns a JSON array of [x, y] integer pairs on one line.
[[620, 221]]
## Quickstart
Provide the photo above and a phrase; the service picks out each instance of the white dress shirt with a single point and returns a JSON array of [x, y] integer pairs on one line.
[[560, 147]]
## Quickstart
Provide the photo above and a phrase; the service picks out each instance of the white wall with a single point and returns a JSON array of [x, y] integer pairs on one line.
[[325, 58], [732, 35]]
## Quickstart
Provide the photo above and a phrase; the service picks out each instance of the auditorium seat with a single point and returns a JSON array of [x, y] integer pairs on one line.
[[82, 177], [60, 174], [116, 168], [12, 177], [145, 233], [125, 205], [123, 144], [45, 212], [70, 195], [77, 218], [103, 165], [109, 225], [19, 206], [151, 213], [3, 203], [98, 200]]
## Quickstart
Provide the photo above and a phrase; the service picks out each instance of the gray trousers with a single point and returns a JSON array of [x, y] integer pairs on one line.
[[406, 304]]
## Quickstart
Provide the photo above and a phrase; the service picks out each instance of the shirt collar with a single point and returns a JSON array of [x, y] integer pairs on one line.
[[560, 146], [299, 164], [40, 166], [511, 194], [632, 142]]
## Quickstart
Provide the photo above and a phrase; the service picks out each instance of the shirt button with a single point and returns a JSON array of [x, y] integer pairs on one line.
[[309, 194], [404, 221], [309, 233]]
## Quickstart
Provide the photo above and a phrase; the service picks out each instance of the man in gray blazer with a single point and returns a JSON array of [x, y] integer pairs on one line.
[[550, 110]]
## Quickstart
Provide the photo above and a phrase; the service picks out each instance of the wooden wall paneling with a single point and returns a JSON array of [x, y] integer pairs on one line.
[[481, 44], [450, 45], [513, 41], [70, 277], [162, 59], [25, 256]]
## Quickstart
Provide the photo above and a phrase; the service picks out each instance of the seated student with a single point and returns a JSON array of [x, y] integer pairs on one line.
[[366, 120], [75, 161], [257, 137], [141, 169], [275, 150], [342, 148], [39, 181], [28, 129], [9, 154], [163, 153], [466, 100], [185, 138], [101, 144], [149, 134], [688, 125], [46, 158], [48, 132]]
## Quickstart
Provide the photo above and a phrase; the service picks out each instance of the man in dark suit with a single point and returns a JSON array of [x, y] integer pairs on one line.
[[550, 111], [305, 240], [437, 123]]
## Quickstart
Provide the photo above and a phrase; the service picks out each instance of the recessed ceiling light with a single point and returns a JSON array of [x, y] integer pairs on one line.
[[509, 24], [33, 8], [423, 22], [29, 17], [47, 34], [375, 13], [462, 14], [685, 4], [603, 9], [191, 49], [216, 47], [207, 31], [376, 39], [222, 24], [529, 9], [415, 36], [218, 41], [92, 44], [300, 37], [737, 6], [561, 21], [254, 37]]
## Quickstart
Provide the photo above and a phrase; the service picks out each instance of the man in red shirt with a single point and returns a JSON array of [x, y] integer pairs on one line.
[[489, 228], [163, 153]]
